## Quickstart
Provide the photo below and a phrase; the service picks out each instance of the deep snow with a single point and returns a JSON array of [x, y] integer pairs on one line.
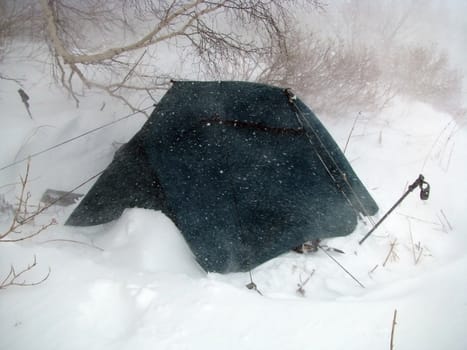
[[134, 284]]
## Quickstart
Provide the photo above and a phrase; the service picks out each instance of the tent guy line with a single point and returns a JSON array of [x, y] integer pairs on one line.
[[341, 266], [74, 138]]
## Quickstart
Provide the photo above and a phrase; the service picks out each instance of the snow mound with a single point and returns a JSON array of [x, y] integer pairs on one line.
[[109, 311], [146, 241]]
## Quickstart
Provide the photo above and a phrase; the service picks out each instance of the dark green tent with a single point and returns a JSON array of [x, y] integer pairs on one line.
[[246, 171]]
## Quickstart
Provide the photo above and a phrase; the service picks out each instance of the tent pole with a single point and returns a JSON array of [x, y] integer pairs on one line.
[[330, 163]]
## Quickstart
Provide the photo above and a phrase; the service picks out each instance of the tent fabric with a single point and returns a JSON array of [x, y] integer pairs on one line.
[[244, 171]]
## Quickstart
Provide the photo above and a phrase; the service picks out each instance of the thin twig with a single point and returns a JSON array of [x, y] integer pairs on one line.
[[449, 157], [435, 142], [420, 252], [130, 72], [446, 219], [442, 223], [391, 253], [372, 270], [419, 248], [12, 278], [17, 81], [302, 284], [22, 216], [412, 243], [43, 228], [72, 241], [391, 346], [351, 131], [419, 219]]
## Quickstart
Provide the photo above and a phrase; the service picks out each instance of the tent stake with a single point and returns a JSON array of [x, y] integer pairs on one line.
[[424, 194]]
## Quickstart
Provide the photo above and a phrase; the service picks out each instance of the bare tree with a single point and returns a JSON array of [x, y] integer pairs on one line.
[[134, 34]]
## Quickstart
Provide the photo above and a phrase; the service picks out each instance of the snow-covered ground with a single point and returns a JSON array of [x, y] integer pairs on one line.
[[133, 283]]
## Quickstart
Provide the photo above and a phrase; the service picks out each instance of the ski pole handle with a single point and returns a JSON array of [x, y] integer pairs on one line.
[[424, 194]]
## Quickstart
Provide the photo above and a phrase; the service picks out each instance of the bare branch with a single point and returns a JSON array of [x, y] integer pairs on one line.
[[149, 39], [213, 32], [17, 278], [392, 254], [446, 219], [37, 232], [73, 241], [301, 285], [4, 77], [22, 216]]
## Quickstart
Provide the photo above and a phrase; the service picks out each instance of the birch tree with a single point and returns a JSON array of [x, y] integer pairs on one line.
[[123, 40]]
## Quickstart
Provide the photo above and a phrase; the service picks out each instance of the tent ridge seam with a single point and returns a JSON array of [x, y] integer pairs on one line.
[[254, 126]]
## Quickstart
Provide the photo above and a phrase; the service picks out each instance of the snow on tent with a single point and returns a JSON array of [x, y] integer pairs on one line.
[[246, 171]]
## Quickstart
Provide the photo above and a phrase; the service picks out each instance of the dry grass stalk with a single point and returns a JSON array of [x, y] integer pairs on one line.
[[420, 250], [446, 219], [391, 346], [425, 221], [301, 285], [370, 273], [392, 254], [351, 131], [417, 249], [416, 257]]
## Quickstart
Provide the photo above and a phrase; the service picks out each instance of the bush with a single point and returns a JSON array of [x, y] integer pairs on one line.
[[335, 77], [327, 74], [425, 74]]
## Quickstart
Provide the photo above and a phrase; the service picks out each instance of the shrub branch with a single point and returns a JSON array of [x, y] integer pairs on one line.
[[15, 278]]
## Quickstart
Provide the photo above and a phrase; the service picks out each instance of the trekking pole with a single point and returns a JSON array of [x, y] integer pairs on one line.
[[424, 194]]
